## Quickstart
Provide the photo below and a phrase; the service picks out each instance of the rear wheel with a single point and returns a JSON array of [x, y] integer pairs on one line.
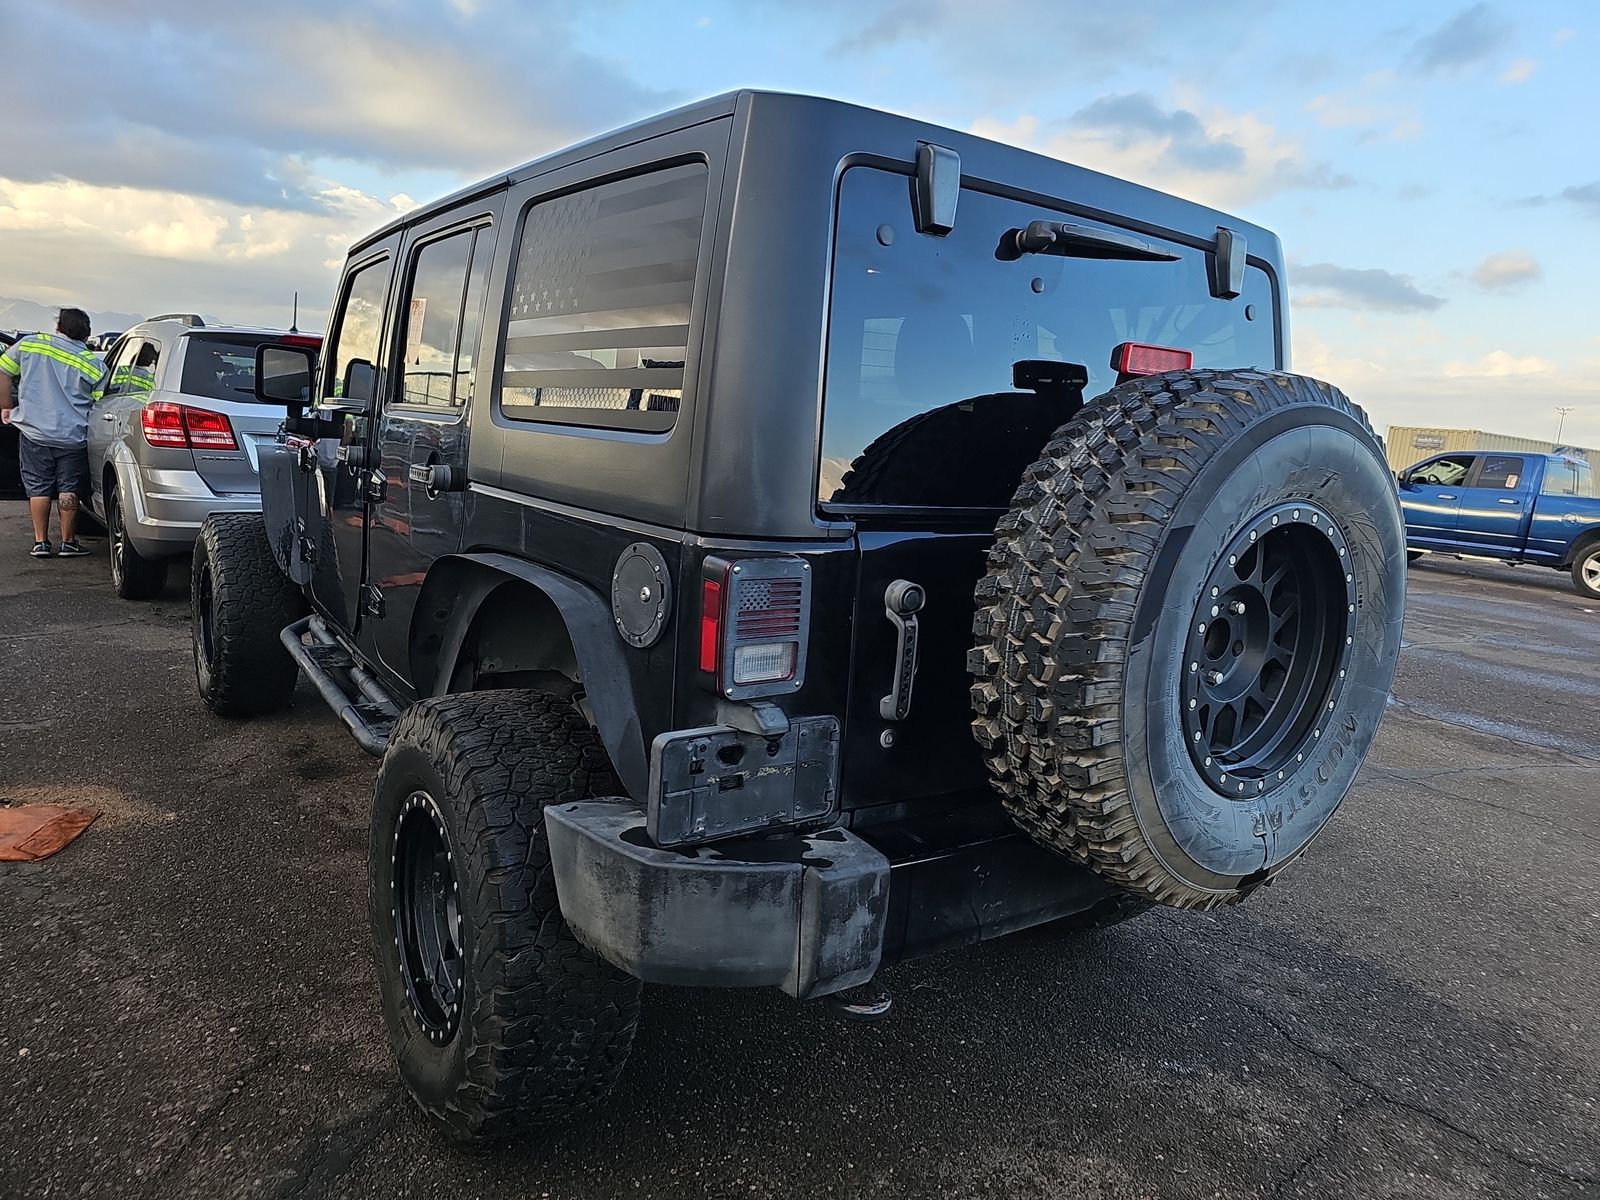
[[133, 576], [496, 1015], [1586, 571], [1189, 628], [239, 603]]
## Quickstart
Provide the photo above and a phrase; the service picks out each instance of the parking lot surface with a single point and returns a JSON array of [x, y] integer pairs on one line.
[[187, 1006]]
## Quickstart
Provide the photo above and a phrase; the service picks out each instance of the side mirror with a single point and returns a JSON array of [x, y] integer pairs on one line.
[[283, 374]]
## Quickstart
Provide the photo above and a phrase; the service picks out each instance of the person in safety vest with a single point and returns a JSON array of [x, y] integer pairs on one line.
[[47, 384]]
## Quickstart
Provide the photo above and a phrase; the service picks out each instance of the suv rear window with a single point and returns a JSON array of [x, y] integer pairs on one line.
[[920, 408], [220, 368], [598, 326]]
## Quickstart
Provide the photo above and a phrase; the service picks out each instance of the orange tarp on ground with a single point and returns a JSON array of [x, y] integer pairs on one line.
[[37, 831]]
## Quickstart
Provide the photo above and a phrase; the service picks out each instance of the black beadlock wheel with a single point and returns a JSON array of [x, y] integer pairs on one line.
[[497, 1016], [1188, 630]]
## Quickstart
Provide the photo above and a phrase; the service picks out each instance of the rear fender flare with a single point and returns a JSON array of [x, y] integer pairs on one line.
[[455, 592], [1579, 545]]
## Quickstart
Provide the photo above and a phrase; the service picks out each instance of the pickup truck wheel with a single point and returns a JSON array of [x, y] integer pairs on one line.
[[496, 1015], [1188, 630], [1586, 571], [239, 603], [133, 576]]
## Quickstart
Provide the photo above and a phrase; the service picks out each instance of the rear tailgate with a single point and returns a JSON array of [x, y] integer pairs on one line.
[[219, 377]]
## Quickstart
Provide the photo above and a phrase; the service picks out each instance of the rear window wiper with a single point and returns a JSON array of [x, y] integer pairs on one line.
[[1077, 241]]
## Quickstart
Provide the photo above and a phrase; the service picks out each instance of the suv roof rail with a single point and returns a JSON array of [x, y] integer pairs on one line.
[[182, 318]]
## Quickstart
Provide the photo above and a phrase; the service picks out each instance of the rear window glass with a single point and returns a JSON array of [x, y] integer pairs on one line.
[[598, 327], [220, 368], [921, 408], [1570, 477]]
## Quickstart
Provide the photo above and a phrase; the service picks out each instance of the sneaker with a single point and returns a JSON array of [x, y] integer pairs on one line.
[[71, 549], [41, 550]]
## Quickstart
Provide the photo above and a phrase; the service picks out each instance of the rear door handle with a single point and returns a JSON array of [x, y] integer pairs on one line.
[[902, 601], [1509, 500], [1447, 495]]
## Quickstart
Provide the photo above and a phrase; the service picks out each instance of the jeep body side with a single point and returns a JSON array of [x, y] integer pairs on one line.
[[707, 436]]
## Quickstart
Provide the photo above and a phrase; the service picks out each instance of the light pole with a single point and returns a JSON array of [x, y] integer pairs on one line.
[[1563, 409]]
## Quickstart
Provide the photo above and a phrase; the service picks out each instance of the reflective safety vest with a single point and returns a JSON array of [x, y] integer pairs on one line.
[[57, 380]]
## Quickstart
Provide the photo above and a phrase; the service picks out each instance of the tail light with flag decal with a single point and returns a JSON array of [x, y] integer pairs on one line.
[[754, 617]]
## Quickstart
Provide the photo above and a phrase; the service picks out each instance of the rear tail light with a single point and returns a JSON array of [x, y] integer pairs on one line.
[[179, 427], [1136, 358], [753, 625]]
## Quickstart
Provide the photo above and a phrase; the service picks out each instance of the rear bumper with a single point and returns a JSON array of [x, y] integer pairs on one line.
[[809, 914], [167, 509]]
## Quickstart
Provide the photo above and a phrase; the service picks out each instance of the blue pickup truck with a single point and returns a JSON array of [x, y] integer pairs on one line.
[[1523, 508]]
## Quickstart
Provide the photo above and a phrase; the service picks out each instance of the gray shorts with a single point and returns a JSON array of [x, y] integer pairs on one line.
[[53, 471]]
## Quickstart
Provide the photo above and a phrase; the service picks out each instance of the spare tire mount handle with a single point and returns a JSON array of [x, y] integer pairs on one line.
[[902, 601]]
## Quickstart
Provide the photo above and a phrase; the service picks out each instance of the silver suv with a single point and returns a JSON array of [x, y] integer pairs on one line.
[[174, 438]]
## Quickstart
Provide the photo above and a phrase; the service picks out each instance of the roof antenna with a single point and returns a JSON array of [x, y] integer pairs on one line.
[[294, 321]]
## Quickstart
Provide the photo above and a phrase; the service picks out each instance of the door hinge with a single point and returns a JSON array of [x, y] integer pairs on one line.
[[375, 486], [372, 600], [308, 549], [902, 601]]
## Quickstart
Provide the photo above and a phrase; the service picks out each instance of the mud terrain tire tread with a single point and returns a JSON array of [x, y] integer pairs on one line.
[[1076, 548], [548, 1025], [250, 673]]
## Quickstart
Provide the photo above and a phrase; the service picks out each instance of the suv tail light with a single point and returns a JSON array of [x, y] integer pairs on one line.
[[1136, 358], [753, 625], [179, 427]]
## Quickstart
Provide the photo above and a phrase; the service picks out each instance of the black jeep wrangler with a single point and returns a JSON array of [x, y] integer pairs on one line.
[[781, 538]]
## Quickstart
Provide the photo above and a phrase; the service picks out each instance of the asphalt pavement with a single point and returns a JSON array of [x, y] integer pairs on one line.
[[187, 1006]]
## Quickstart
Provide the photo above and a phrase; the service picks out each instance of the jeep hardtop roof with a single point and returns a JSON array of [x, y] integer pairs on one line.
[[783, 114]]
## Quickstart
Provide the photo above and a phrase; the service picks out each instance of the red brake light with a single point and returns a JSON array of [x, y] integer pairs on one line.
[[309, 340], [163, 424], [1136, 358], [208, 430], [179, 427], [710, 624]]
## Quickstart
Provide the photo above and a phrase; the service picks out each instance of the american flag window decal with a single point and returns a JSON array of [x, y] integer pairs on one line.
[[598, 326]]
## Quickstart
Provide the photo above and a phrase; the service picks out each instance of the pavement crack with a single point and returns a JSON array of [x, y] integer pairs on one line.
[[1425, 782], [1380, 1094], [209, 1115], [1320, 1150]]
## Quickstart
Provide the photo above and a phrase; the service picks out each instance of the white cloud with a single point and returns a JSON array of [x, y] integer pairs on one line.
[[1221, 158], [1520, 71], [1498, 364], [143, 249], [1507, 270]]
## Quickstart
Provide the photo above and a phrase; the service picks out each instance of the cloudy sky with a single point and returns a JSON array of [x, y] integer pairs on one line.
[[1431, 167]]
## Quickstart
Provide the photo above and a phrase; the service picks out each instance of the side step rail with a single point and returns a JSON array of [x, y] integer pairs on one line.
[[369, 714]]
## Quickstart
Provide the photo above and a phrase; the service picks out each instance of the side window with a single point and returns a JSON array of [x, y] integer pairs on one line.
[[1444, 472], [1571, 477], [134, 370], [433, 322], [358, 326], [1500, 471], [598, 326], [116, 361]]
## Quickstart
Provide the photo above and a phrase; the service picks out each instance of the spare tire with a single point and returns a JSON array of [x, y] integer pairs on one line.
[[1188, 629]]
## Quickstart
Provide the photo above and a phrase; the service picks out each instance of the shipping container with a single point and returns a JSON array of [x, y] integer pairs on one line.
[[1409, 444]]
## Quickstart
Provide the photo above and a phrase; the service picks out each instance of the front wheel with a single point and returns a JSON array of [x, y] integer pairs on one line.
[[239, 603], [1586, 571], [496, 1014]]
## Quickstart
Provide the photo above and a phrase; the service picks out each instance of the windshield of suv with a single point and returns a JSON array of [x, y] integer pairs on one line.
[[920, 406], [221, 367]]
